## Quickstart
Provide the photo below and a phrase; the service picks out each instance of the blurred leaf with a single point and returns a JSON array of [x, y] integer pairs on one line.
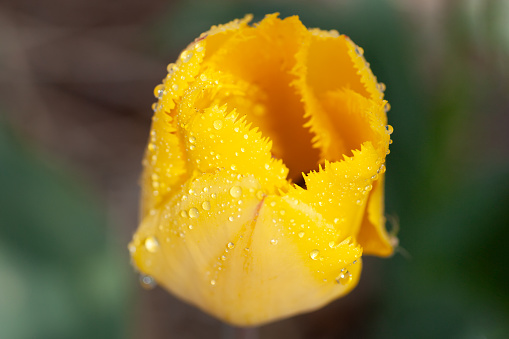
[[60, 276]]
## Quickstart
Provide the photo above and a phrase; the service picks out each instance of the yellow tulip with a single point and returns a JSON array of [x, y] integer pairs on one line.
[[242, 114]]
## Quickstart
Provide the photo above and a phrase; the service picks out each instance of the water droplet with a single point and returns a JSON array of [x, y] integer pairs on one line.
[[301, 234], [336, 220], [186, 56], [381, 87], [314, 254], [203, 77], [389, 129], [183, 214], [236, 192], [274, 241], [359, 50], [159, 91], [194, 213], [213, 282], [233, 167], [213, 195], [206, 205], [218, 124], [147, 282], [131, 248], [192, 140], [170, 68], [359, 202], [199, 46], [368, 187], [230, 245], [151, 244], [230, 218], [344, 278], [260, 195], [332, 244], [387, 107], [390, 141], [155, 106]]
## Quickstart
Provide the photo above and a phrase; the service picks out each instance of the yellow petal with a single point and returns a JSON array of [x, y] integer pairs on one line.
[[243, 112]]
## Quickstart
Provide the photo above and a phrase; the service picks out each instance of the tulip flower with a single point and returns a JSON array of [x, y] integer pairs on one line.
[[263, 178]]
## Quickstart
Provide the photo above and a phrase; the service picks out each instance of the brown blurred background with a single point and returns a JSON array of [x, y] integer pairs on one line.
[[76, 84]]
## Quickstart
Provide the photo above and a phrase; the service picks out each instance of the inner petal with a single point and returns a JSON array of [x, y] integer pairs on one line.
[[340, 96], [262, 59]]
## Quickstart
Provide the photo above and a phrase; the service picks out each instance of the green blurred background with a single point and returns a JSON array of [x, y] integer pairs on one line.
[[76, 81]]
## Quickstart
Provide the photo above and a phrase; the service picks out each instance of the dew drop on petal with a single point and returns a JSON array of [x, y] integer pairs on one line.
[[194, 213], [314, 254], [274, 241], [132, 248], [230, 245], [301, 234], [260, 194], [151, 244], [186, 56], [218, 124], [147, 282], [159, 91], [213, 282], [344, 278], [206, 205], [199, 46], [236, 192], [389, 129], [183, 214]]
